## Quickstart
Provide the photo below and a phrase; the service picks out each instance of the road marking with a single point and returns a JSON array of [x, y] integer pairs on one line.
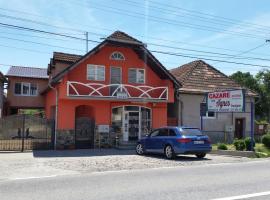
[[246, 196], [33, 177]]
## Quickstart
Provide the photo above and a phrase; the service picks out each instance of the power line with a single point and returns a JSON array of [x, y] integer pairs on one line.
[[102, 7], [24, 49], [200, 14], [39, 43], [209, 59], [34, 36], [215, 53], [42, 23], [155, 51], [166, 46], [46, 32], [175, 12], [247, 51]]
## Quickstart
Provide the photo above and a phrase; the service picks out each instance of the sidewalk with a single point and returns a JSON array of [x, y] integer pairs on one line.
[[54, 163]]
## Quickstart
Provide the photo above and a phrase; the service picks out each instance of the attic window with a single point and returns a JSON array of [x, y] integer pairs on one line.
[[117, 56]]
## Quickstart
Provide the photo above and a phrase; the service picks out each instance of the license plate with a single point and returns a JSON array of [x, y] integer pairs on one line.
[[199, 142]]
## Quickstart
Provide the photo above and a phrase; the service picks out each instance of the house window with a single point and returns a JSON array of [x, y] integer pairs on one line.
[[96, 72], [136, 76], [117, 56], [205, 113], [18, 89], [25, 89]]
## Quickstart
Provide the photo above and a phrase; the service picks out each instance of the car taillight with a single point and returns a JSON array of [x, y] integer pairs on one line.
[[184, 140], [208, 140]]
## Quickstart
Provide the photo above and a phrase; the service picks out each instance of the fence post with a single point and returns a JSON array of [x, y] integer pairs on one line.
[[252, 125], [23, 131]]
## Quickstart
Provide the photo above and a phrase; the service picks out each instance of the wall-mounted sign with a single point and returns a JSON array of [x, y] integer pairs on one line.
[[121, 95], [103, 128], [226, 101]]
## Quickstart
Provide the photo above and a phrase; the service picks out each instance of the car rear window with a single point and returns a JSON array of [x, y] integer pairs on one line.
[[190, 131]]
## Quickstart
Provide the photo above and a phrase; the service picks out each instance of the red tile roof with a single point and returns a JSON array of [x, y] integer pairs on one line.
[[120, 36], [66, 57], [200, 77], [30, 72]]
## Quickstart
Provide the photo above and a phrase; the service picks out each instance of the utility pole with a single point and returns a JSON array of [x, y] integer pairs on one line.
[[86, 37]]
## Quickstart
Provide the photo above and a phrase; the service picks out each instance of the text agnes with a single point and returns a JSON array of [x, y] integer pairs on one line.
[[221, 103]]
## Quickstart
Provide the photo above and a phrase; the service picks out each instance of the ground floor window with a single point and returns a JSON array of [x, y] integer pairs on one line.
[[205, 113], [131, 122]]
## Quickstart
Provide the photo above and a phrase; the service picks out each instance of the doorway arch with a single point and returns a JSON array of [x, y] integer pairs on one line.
[[84, 127]]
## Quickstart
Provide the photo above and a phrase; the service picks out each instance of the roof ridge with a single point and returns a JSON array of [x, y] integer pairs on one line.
[[222, 73], [66, 53], [191, 70], [29, 67], [133, 40]]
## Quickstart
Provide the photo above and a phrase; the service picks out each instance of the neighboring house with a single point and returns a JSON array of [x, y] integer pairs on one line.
[[118, 85], [2, 97], [24, 87], [60, 61], [198, 78]]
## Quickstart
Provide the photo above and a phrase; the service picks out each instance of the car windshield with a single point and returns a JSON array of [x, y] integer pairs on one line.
[[190, 131]]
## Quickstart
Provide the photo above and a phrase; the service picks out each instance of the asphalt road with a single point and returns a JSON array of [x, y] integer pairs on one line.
[[190, 182]]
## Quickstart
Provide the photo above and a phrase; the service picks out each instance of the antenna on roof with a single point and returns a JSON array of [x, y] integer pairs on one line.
[[86, 39]]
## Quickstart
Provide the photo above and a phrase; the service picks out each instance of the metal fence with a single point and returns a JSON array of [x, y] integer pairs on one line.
[[25, 132]]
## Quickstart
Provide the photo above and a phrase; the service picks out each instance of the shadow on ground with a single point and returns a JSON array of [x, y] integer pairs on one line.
[[82, 153], [107, 152], [179, 157]]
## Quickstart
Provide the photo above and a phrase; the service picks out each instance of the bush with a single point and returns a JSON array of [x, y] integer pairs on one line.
[[266, 140], [222, 146], [248, 143], [239, 144]]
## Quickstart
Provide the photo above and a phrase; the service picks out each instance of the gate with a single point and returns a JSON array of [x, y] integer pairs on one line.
[[25, 132], [84, 133]]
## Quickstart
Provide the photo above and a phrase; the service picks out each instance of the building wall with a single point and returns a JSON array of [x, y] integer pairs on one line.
[[191, 116], [58, 67], [102, 112], [103, 108], [26, 101], [131, 61]]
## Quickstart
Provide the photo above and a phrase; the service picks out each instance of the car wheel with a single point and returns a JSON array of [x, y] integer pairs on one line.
[[139, 149], [169, 152], [201, 155]]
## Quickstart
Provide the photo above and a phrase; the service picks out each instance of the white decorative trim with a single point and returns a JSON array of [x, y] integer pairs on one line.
[[95, 91]]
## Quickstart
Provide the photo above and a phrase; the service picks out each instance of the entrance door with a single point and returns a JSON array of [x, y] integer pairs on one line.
[[239, 128], [131, 126], [84, 133]]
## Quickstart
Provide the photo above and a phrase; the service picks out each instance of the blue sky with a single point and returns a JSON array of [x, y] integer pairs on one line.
[[184, 25]]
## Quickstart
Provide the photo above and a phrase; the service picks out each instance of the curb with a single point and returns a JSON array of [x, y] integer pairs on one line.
[[247, 154]]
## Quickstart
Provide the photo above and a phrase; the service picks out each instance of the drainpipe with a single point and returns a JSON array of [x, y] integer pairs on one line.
[[56, 114], [180, 109]]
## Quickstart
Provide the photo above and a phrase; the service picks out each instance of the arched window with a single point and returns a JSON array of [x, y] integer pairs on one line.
[[117, 56]]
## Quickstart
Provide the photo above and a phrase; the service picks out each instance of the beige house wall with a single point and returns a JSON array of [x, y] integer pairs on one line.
[[191, 115]]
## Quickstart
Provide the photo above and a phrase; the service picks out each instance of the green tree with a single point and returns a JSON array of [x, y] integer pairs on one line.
[[259, 85], [263, 78]]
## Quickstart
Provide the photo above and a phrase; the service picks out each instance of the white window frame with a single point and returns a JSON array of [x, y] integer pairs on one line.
[[137, 69], [206, 114], [209, 117], [96, 75], [117, 52], [29, 86]]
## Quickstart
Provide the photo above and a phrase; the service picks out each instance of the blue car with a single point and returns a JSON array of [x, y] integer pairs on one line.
[[171, 141]]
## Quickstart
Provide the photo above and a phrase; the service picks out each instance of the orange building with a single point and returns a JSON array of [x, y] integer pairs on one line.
[[118, 87]]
